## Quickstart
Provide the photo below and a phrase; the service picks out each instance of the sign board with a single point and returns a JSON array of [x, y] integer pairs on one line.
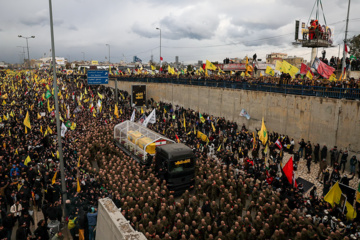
[[93, 62], [98, 77], [138, 95]]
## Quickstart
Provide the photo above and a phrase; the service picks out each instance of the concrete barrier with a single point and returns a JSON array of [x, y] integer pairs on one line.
[[111, 224], [319, 120]]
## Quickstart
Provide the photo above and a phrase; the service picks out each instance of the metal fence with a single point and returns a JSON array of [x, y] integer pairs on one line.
[[347, 93]]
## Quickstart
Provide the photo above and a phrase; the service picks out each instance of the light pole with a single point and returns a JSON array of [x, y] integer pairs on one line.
[[58, 129], [109, 52], [22, 53], [27, 45], [160, 48], [83, 56]]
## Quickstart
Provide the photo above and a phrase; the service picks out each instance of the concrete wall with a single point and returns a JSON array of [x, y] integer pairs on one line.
[[320, 120], [111, 224]]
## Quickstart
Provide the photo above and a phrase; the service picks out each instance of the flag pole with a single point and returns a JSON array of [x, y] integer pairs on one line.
[[58, 129], [345, 41]]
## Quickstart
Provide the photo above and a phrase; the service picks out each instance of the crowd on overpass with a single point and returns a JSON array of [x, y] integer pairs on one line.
[[236, 195]]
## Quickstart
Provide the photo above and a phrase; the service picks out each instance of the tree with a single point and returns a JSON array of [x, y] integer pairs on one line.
[[354, 44]]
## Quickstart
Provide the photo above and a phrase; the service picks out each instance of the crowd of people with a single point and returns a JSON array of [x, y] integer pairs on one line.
[[237, 193]]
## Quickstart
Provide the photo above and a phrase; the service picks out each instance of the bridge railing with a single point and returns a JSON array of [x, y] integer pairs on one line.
[[347, 93]]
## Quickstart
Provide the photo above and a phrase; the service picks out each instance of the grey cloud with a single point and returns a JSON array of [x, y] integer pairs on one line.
[[73, 28], [143, 31]]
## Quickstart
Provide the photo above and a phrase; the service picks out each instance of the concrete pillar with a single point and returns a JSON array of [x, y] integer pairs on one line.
[[313, 55]]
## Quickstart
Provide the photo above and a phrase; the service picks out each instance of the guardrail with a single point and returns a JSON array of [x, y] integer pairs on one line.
[[339, 93]]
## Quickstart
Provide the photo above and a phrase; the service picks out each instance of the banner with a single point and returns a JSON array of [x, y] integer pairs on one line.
[[322, 68]]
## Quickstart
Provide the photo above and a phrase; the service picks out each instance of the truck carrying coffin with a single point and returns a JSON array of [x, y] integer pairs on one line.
[[174, 162]]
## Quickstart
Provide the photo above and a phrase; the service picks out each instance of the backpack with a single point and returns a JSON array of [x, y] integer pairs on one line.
[[72, 223]]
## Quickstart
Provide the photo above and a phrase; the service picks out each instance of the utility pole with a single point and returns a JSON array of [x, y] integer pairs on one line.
[[345, 41], [58, 129]]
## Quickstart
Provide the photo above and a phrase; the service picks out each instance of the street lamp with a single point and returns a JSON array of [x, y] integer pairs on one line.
[[83, 56], [160, 48], [109, 52], [27, 45], [22, 53]]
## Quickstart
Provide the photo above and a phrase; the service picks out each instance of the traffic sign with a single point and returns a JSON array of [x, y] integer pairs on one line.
[[98, 77]]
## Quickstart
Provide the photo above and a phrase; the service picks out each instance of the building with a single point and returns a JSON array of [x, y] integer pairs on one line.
[[296, 61], [273, 57]]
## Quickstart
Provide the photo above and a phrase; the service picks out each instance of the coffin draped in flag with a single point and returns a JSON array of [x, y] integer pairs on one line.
[[323, 69], [288, 170]]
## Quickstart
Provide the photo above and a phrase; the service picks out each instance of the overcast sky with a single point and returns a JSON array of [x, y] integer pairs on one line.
[[191, 29]]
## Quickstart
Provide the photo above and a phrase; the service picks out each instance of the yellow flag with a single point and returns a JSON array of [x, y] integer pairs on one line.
[[38, 116], [46, 132], [78, 164], [116, 111], [219, 148], [153, 68], [54, 178], [142, 111], [263, 134], [27, 120], [12, 114], [210, 66], [213, 127], [86, 91], [185, 124], [48, 106], [351, 213], [49, 130], [309, 75], [100, 96], [27, 160], [288, 68], [334, 195], [332, 77], [41, 129], [9, 133], [57, 154], [278, 66], [3, 103], [25, 130], [78, 188], [269, 71]]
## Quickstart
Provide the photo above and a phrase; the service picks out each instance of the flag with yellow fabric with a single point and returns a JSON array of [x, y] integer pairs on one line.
[[288, 68], [27, 120], [38, 116], [49, 130], [332, 77], [334, 195], [202, 119], [263, 134], [153, 68], [100, 96], [278, 66], [213, 127], [210, 66], [309, 75], [27, 160], [54, 178], [142, 111], [270, 71], [116, 111], [78, 187]]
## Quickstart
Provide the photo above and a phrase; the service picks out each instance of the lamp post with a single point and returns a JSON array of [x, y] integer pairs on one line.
[[27, 45], [58, 129], [83, 56], [160, 47], [22, 53], [109, 52]]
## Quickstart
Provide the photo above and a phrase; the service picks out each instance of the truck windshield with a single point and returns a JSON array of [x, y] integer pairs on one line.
[[181, 165]]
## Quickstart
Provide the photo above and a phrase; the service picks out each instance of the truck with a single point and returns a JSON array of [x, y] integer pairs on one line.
[[174, 162]]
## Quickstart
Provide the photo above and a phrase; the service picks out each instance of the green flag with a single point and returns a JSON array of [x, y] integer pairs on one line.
[[68, 124], [47, 94]]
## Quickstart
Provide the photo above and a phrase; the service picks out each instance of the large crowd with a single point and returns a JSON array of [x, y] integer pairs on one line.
[[235, 196]]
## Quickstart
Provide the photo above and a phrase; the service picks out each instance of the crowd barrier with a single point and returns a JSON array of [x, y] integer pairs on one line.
[[339, 93]]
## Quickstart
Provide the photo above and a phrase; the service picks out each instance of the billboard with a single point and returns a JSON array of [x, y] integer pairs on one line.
[[93, 62], [138, 95]]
